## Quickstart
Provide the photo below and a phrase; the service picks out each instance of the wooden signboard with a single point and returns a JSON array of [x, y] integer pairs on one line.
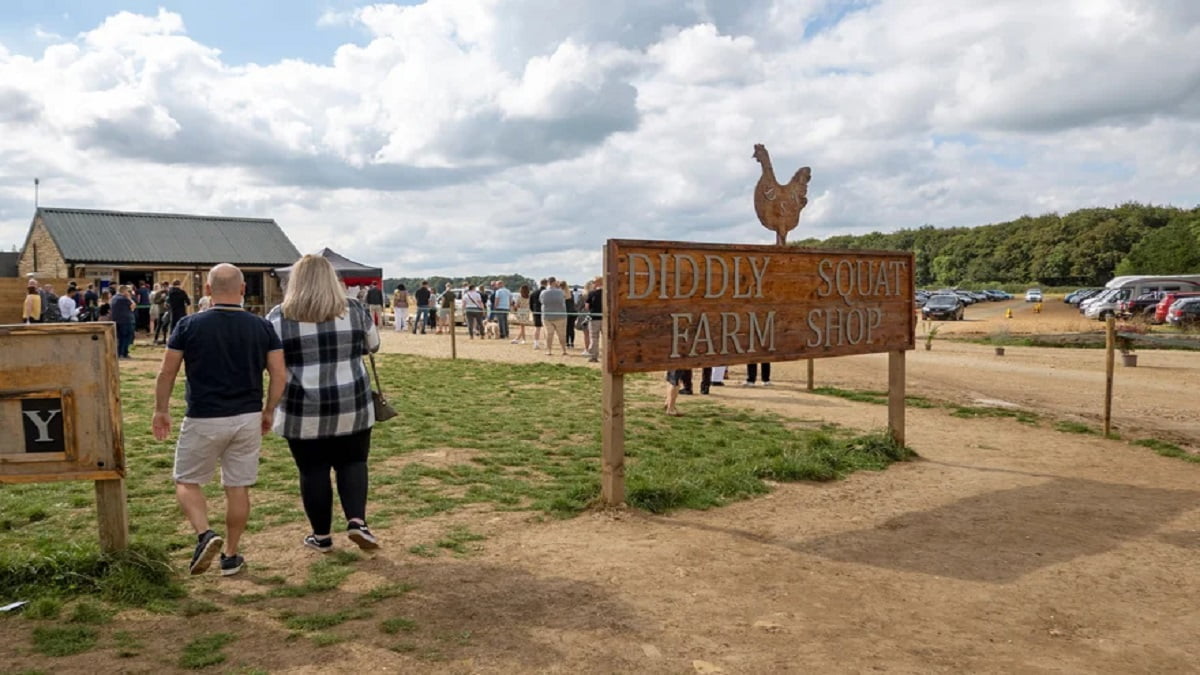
[[682, 305], [60, 413], [686, 305]]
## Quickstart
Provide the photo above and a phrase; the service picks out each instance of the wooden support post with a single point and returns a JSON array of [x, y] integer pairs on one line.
[[896, 395], [612, 438], [453, 333], [112, 515], [1110, 345], [810, 374]]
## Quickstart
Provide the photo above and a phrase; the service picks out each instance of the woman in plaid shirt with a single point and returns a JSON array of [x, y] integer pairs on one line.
[[326, 413]]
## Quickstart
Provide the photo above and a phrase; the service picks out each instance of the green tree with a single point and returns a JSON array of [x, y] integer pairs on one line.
[[1173, 249]]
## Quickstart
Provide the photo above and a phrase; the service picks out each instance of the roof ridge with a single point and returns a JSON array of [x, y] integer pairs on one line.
[[151, 214]]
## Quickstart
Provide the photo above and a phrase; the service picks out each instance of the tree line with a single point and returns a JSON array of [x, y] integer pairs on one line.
[[1085, 247]]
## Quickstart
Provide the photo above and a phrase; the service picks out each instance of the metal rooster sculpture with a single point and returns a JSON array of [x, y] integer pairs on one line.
[[779, 206]]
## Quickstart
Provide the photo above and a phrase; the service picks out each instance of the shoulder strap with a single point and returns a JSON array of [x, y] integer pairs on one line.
[[374, 372]]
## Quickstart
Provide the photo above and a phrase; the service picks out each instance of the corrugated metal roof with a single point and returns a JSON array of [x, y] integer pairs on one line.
[[86, 236]]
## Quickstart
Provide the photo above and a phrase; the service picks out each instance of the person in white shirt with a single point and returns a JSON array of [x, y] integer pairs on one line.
[[66, 307]]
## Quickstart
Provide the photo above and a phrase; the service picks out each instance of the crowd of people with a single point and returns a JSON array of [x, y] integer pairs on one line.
[[551, 314], [317, 390], [132, 307]]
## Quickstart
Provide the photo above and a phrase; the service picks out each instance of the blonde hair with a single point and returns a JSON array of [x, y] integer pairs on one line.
[[314, 293]]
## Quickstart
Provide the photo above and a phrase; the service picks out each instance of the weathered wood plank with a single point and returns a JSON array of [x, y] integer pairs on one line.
[[688, 305], [112, 515], [896, 387]]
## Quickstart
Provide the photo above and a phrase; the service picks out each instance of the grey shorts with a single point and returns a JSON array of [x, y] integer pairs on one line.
[[233, 441]]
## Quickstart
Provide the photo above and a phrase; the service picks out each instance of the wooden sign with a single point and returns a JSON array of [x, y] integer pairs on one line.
[[60, 413], [688, 305]]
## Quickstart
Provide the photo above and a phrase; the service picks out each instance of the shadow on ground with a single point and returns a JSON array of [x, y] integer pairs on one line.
[[1001, 536]]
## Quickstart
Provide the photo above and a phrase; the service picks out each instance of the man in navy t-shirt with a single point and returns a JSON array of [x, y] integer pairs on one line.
[[224, 351]]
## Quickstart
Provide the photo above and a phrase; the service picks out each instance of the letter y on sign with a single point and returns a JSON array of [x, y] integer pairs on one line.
[[43, 425]]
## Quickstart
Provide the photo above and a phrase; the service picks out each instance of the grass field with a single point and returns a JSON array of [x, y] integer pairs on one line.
[[506, 438]]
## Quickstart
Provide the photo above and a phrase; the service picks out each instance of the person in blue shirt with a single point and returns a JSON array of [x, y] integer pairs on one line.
[[501, 304], [224, 351]]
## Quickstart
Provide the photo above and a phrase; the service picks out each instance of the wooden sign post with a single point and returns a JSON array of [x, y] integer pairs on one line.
[[60, 414], [671, 305]]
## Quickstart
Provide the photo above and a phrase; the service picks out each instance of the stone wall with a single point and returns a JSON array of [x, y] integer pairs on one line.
[[50, 262]]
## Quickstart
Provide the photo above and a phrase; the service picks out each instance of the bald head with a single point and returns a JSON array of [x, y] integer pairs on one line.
[[225, 283]]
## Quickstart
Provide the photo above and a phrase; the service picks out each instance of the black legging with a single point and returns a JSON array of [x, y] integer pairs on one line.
[[346, 455]]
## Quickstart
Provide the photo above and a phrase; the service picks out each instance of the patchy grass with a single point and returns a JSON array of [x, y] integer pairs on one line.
[[63, 640], [321, 621], [1069, 427], [381, 593], [205, 651], [396, 625], [1168, 449], [128, 645], [974, 412], [875, 397], [191, 607], [457, 538], [43, 608], [423, 550], [326, 639], [137, 577], [90, 613]]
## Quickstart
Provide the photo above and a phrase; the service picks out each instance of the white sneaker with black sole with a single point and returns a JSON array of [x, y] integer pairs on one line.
[[359, 534]]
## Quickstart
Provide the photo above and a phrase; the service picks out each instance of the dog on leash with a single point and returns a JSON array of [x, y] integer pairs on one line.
[[491, 330]]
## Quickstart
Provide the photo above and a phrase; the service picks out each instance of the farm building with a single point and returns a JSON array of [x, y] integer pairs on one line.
[[116, 247]]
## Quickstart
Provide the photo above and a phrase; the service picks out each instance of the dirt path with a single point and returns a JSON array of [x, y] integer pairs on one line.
[[1006, 548]]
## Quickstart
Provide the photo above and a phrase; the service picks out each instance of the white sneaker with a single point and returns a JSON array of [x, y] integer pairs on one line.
[[747, 383], [514, 342], [766, 384]]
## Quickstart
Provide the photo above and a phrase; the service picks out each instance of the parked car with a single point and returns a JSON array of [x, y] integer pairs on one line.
[[945, 306], [1033, 295], [1184, 312], [1102, 296], [1142, 306], [965, 297], [1106, 305], [1077, 295], [1168, 299]]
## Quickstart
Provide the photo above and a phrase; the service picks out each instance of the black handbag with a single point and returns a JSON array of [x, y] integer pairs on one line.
[[383, 410]]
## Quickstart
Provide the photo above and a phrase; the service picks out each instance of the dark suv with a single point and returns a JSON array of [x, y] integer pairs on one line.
[[943, 307]]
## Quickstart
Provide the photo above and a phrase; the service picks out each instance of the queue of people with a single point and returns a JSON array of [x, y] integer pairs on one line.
[[553, 313]]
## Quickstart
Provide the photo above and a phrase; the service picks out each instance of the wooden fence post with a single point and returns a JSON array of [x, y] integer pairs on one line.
[[810, 374], [112, 515], [896, 395], [612, 438], [1110, 344], [453, 333]]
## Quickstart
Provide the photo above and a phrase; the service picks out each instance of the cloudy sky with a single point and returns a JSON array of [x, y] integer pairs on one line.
[[497, 136]]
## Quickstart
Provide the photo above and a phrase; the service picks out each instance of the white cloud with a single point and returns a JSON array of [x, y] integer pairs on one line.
[[480, 136]]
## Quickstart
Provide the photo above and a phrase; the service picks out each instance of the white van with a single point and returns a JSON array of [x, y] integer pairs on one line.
[[1126, 287]]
